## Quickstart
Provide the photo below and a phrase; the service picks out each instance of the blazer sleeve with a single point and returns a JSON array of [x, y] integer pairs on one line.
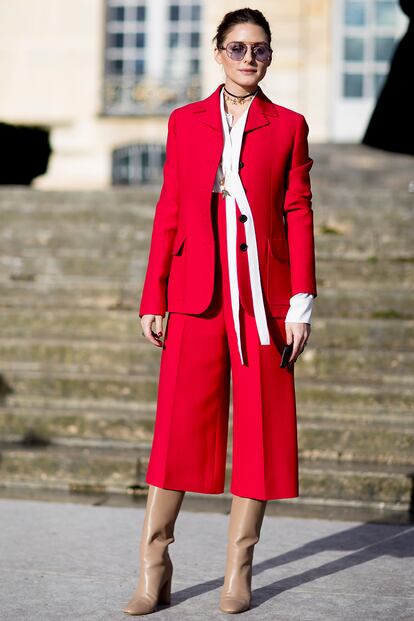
[[153, 298], [299, 214]]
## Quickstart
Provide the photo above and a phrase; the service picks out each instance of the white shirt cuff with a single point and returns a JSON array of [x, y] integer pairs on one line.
[[300, 309]]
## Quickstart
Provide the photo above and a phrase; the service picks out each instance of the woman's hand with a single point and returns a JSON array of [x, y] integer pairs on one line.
[[146, 323], [298, 333]]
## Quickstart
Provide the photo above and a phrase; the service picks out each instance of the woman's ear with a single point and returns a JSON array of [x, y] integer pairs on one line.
[[217, 56]]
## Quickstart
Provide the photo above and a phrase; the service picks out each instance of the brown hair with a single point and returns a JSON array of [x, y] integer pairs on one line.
[[241, 16]]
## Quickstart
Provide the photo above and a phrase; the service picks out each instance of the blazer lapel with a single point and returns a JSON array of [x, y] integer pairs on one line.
[[208, 111]]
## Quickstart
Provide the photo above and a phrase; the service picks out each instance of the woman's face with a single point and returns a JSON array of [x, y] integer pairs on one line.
[[247, 80]]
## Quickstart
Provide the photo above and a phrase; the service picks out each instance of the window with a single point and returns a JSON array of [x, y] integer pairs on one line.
[[137, 164], [364, 36], [152, 55], [368, 40]]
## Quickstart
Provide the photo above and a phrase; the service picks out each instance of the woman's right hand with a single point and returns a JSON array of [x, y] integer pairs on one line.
[[146, 323]]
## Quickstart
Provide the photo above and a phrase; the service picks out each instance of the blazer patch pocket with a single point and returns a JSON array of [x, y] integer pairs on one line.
[[278, 270], [279, 248], [178, 244], [177, 276]]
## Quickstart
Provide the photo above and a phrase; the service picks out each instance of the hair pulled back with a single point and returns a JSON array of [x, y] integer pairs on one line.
[[241, 16]]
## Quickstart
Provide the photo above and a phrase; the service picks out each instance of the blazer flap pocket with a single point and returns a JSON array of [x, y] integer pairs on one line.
[[178, 243], [279, 248]]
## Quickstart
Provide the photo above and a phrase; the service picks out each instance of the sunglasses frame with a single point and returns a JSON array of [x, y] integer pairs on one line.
[[252, 46]]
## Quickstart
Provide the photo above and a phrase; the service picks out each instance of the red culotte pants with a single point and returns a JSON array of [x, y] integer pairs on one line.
[[199, 355]]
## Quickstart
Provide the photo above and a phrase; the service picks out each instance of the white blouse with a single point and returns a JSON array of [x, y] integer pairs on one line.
[[301, 304]]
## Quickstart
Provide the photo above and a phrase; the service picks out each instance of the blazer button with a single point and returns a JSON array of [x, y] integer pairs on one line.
[[243, 218], [241, 164], [243, 246]]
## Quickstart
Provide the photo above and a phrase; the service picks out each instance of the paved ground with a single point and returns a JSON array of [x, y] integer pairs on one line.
[[72, 561]]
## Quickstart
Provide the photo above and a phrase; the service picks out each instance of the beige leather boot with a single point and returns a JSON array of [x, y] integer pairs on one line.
[[154, 584], [246, 518]]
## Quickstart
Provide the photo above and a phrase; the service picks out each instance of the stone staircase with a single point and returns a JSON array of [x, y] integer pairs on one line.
[[78, 383]]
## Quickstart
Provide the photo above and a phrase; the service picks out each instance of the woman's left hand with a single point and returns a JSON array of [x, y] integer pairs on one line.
[[298, 333]]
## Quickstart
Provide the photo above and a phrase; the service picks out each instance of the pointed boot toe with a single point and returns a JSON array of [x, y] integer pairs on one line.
[[144, 603], [231, 604], [140, 606]]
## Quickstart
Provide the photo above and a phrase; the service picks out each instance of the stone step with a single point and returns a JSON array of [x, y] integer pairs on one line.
[[369, 396], [49, 382], [89, 293], [74, 411], [136, 497], [376, 303], [341, 186], [357, 165], [362, 202], [345, 214], [138, 356], [348, 393], [373, 440], [111, 267], [85, 324], [368, 272], [94, 210], [350, 180], [28, 199], [134, 244], [124, 326], [372, 443], [364, 246], [43, 228], [103, 239], [102, 469], [98, 212]]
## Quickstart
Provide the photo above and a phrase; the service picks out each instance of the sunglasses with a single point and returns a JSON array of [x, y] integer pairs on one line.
[[236, 50]]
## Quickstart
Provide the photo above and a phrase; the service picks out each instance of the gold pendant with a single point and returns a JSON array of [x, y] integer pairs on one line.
[[224, 192]]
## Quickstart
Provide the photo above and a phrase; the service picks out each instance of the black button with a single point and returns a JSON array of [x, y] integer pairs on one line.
[[241, 164], [243, 246], [243, 218]]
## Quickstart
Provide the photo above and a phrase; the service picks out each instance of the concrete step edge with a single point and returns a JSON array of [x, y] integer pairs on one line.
[[327, 508], [306, 421], [116, 344], [107, 407], [51, 371], [130, 451]]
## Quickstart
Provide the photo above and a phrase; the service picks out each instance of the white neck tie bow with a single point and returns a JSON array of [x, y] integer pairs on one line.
[[234, 191]]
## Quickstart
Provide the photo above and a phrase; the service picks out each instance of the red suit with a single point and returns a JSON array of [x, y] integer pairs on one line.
[[187, 276]]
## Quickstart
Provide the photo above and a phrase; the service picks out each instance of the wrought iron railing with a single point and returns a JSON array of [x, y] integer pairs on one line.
[[132, 95]]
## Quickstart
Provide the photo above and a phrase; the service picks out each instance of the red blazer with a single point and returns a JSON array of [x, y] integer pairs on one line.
[[274, 170]]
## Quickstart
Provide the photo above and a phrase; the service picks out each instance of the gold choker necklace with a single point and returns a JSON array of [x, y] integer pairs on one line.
[[237, 99]]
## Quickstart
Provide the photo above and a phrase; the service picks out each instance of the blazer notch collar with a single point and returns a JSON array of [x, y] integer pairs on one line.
[[208, 110]]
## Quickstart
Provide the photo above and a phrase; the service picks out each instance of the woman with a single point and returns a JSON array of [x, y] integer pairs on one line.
[[232, 261]]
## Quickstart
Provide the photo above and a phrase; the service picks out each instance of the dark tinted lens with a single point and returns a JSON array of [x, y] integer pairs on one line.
[[237, 50], [262, 52]]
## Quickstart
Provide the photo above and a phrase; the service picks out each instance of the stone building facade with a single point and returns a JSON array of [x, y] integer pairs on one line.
[[103, 75]]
